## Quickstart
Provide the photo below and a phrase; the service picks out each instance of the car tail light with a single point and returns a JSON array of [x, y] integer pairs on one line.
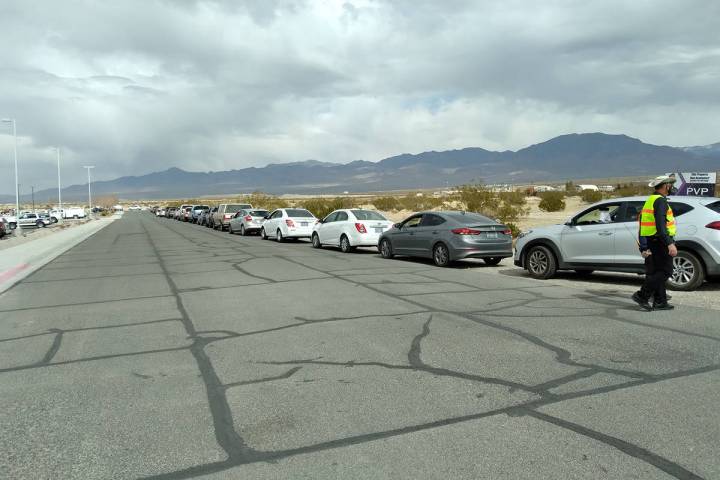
[[227, 216], [248, 218], [714, 225], [507, 231], [360, 228], [290, 223], [466, 231]]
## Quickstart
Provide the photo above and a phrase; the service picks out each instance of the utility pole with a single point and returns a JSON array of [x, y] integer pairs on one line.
[[17, 185], [89, 194], [32, 189], [59, 188]]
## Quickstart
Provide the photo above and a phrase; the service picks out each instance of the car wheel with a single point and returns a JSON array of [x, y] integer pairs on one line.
[[263, 235], [230, 230], [278, 236], [584, 273], [242, 230], [316, 241], [386, 248], [541, 262], [40, 224], [441, 255], [688, 273], [492, 260], [345, 246], [75, 217]]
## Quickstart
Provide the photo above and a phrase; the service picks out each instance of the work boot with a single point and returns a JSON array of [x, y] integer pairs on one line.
[[641, 301], [663, 306]]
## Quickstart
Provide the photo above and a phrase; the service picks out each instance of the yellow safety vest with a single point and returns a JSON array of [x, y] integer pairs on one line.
[[647, 218]]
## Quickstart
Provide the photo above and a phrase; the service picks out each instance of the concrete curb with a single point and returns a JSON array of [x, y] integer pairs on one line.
[[16, 263]]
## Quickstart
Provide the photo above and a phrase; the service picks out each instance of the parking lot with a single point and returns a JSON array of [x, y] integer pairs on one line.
[[160, 349]]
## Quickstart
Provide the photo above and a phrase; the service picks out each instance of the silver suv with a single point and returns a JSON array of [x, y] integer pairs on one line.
[[604, 237]]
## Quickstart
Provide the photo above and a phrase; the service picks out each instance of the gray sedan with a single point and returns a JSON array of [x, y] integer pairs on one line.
[[448, 236]]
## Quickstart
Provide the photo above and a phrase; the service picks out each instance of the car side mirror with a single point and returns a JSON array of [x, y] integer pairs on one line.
[[397, 225]]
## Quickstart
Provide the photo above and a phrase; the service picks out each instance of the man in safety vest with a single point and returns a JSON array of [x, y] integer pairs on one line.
[[657, 226]]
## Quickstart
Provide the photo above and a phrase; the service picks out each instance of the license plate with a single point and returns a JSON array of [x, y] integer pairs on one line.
[[378, 230], [303, 224], [491, 235]]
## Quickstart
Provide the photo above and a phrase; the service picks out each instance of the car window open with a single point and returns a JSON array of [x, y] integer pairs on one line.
[[608, 213], [412, 222]]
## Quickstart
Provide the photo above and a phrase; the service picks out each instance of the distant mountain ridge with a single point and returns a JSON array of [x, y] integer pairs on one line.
[[561, 158]]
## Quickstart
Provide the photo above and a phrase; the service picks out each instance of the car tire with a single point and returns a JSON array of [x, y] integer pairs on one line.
[[316, 241], [688, 272], [230, 230], [263, 235], [386, 249], [279, 236], [540, 262], [243, 233], [441, 255], [492, 261], [345, 246]]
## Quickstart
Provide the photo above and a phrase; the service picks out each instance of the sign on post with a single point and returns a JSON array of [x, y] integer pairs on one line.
[[696, 184]]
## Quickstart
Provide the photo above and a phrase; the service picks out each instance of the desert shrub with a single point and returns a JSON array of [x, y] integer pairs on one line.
[[386, 203], [321, 207], [631, 189], [591, 196], [263, 200], [508, 207], [416, 203], [552, 201]]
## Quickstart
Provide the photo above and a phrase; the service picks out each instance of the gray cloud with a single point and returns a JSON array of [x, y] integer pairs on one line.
[[140, 86]]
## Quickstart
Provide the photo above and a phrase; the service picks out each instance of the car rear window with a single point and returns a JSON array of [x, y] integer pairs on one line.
[[715, 207], [201, 207], [236, 207], [367, 215], [469, 218], [298, 212], [680, 208], [258, 213]]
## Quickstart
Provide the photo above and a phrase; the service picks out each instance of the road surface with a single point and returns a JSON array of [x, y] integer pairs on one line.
[[157, 349]]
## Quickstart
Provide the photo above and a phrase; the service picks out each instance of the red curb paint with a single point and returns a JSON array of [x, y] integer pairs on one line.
[[7, 275]]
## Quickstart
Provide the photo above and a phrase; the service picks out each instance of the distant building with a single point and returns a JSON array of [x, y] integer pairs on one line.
[[606, 188], [594, 188], [544, 188]]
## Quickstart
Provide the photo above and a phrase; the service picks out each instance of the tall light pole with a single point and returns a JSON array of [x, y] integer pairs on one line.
[[59, 189], [17, 186], [32, 189], [89, 194]]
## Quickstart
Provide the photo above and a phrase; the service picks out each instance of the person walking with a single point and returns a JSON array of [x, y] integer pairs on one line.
[[657, 227]]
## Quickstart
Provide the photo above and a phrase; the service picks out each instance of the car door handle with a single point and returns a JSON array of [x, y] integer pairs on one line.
[[605, 234]]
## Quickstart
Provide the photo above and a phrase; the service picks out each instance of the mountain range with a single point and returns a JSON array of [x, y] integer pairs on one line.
[[567, 157]]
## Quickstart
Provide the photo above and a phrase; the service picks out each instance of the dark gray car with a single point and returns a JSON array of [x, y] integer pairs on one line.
[[448, 236]]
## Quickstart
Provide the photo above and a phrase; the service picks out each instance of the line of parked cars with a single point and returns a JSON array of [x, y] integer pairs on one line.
[[601, 237], [443, 237]]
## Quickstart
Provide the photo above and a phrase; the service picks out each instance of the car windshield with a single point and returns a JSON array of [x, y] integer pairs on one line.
[[367, 215], [258, 213], [298, 212], [236, 207], [469, 218]]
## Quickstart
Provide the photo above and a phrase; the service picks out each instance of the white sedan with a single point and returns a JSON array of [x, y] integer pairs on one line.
[[350, 228], [288, 223]]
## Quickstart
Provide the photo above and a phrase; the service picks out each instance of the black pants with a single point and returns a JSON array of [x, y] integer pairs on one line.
[[658, 268]]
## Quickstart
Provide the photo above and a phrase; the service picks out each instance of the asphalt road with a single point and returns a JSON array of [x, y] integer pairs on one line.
[[157, 349]]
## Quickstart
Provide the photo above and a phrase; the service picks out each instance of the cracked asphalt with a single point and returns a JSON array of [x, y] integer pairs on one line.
[[156, 349]]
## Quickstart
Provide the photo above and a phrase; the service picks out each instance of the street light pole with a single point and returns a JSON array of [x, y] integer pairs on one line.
[[89, 194], [17, 185], [59, 189], [32, 189]]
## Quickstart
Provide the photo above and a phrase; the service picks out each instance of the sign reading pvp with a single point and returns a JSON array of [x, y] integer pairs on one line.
[[696, 184]]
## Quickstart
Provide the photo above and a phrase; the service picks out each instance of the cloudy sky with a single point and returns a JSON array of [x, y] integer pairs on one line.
[[136, 86]]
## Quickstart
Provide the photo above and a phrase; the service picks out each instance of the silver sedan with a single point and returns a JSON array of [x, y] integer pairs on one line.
[[448, 236]]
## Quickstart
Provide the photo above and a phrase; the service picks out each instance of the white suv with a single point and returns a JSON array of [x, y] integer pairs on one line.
[[604, 237]]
